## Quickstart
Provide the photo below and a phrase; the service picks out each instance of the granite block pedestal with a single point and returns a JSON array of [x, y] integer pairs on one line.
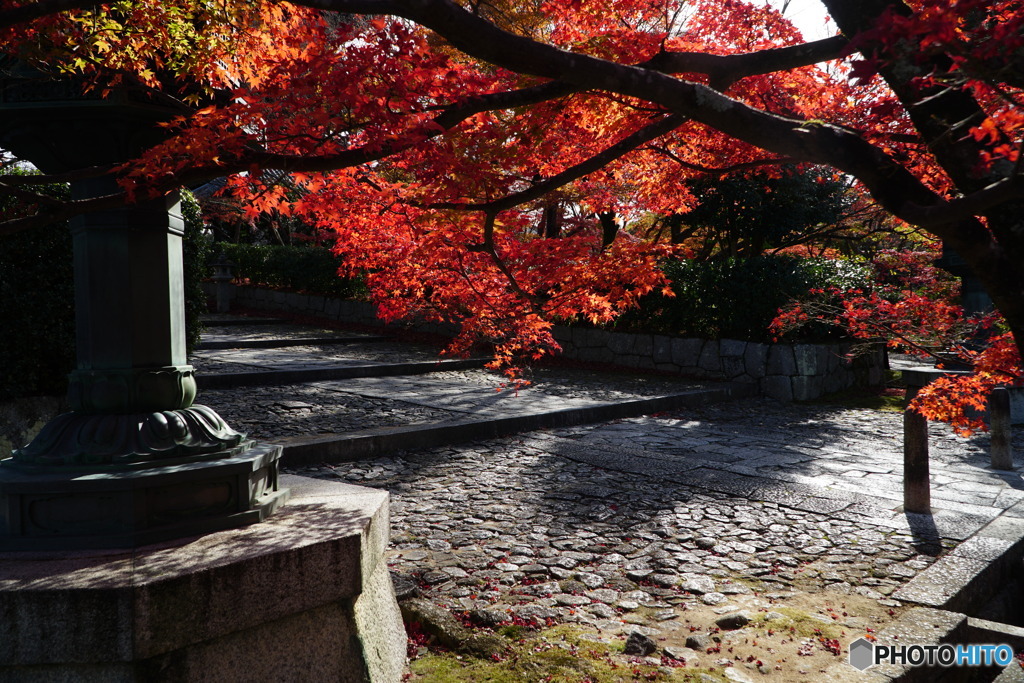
[[303, 595]]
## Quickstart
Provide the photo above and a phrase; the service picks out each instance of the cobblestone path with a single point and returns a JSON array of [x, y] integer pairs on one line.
[[662, 524]]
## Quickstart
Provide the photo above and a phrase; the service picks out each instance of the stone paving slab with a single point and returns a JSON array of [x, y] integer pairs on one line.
[[836, 449]]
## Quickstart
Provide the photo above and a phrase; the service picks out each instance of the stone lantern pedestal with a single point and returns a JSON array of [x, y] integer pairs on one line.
[[128, 549], [135, 461]]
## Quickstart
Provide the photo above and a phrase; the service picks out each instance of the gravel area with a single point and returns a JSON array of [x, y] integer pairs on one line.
[[249, 360], [306, 410]]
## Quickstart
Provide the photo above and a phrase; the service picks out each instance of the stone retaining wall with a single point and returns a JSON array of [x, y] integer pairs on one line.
[[786, 372]]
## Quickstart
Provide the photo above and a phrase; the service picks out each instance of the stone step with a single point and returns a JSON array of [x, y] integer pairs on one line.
[[279, 343], [227, 320], [371, 443], [319, 373]]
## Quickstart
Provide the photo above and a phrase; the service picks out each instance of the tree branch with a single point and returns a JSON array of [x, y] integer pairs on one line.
[[63, 211], [725, 170], [892, 185], [731, 68], [584, 168], [443, 122]]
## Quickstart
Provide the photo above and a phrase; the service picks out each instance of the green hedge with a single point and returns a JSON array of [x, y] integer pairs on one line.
[[302, 268], [737, 299], [37, 349]]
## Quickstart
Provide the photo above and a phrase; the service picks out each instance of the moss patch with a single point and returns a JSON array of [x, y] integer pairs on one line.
[[563, 654]]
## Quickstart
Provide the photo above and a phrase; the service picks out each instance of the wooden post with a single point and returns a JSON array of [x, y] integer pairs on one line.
[[916, 486], [999, 423]]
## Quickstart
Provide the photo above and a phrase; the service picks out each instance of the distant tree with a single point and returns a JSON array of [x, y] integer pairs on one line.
[[741, 216]]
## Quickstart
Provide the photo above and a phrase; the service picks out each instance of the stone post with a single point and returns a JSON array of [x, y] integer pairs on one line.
[[223, 276], [999, 424], [916, 485]]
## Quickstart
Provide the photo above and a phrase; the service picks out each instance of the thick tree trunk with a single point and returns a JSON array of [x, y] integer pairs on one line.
[[942, 115]]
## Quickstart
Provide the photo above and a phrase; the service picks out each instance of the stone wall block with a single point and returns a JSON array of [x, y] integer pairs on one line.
[[755, 359], [824, 352], [810, 359], [781, 360], [778, 387], [645, 362], [332, 308], [835, 358], [599, 338], [620, 343], [562, 334], [662, 348], [836, 381], [710, 358], [643, 345], [733, 366], [686, 351], [732, 347], [347, 309], [808, 388]]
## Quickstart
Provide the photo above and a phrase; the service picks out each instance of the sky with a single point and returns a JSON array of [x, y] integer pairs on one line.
[[809, 17]]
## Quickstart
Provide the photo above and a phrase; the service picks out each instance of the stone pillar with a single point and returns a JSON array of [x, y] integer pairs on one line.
[[132, 392], [129, 304], [135, 461]]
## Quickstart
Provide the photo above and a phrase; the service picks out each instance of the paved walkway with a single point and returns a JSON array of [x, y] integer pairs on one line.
[[660, 523]]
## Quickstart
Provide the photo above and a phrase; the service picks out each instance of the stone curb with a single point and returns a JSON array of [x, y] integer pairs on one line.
[[930, 627], [970, 575], [231, 380], [372, 443], [283, 343]]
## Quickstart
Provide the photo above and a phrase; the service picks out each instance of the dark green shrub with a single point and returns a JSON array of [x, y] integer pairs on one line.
[[303, 268], [37, 306], [37, 348], [737, 299]]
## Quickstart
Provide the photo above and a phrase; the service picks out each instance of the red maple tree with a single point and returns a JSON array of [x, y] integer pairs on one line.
[[476, 158]]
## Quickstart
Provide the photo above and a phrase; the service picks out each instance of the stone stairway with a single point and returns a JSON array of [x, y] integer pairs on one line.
[[331, 396]]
